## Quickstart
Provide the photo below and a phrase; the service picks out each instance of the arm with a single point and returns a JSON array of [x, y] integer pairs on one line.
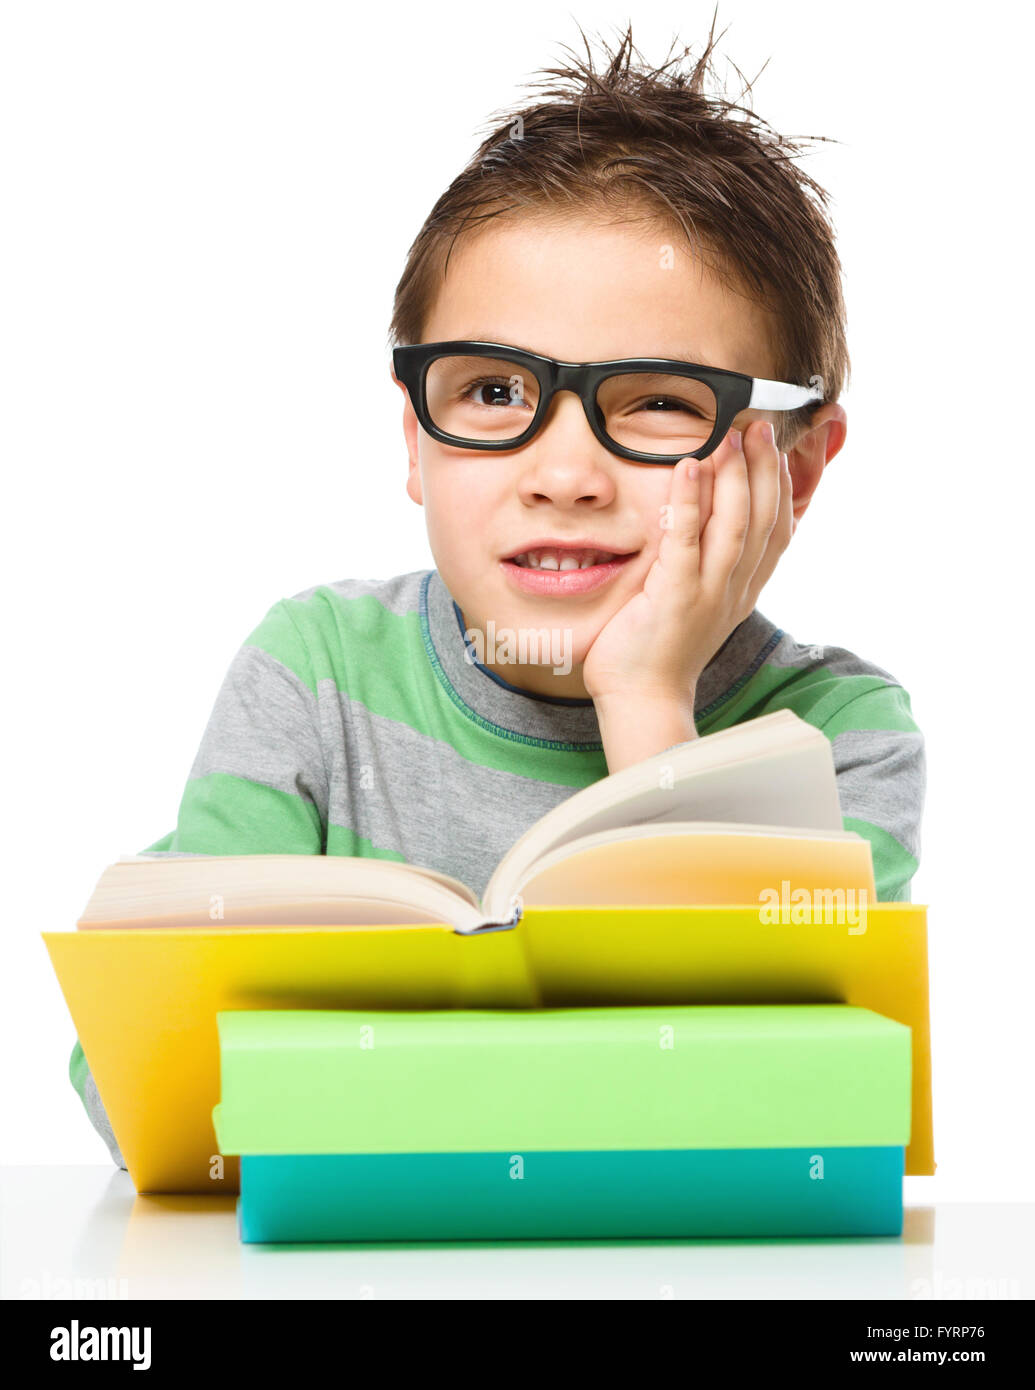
[[632, 730], [643, 666]]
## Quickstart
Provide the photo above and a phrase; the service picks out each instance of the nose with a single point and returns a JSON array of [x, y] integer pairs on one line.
[[565, 463]]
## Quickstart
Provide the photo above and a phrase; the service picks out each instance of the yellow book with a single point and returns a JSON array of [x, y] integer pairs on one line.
[[144, 1001]]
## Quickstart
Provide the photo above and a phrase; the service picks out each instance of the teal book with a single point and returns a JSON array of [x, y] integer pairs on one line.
[[610, 1194]]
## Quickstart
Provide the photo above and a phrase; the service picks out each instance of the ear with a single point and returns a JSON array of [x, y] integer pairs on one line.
[[814, 449], [410, 431]]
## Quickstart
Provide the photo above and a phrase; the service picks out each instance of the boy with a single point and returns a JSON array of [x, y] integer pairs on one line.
[[626, 516]]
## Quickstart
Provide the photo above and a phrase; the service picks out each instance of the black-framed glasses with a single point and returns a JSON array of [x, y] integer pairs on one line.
[[647, 409]]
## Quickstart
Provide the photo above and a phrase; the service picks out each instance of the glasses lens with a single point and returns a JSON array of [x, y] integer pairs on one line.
[[657, 414], [481, 398]]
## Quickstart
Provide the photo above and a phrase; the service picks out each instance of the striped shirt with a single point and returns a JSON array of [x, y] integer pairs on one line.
[[357, 720]]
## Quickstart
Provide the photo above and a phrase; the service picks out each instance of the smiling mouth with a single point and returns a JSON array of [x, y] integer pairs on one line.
[[565, 558]]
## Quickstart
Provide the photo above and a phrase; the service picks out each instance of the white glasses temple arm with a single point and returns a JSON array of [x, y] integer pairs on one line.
[[780, 395]]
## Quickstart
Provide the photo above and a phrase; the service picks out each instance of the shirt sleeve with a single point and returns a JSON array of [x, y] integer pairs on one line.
[[881, 767], [86, 1089]]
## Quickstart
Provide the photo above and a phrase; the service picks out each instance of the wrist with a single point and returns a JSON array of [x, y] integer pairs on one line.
[[635, 726], [632, 702]]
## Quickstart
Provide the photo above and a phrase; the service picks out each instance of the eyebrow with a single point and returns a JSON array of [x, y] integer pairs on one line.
[[695, 358]]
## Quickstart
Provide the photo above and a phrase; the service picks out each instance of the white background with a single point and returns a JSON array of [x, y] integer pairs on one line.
[[206, 208]]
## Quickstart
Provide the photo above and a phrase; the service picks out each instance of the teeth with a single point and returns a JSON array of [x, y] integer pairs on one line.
[[553, 560]]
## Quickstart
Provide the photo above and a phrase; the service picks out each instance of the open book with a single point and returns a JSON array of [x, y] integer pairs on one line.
[[723, 819]]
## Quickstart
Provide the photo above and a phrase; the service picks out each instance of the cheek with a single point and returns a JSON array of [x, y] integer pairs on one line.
[[458, 500]]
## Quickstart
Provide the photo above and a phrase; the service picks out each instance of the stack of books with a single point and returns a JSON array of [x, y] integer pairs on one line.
[[677, 1010], [761, 1120]]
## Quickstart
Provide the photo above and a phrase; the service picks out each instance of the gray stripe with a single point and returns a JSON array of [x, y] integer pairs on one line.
[[834, 661], [99, 1118], [266, 726], [406, 791], [882, 778], [744, 651]]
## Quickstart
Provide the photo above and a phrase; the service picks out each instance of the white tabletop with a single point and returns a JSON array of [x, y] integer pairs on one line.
[[82, 1232]]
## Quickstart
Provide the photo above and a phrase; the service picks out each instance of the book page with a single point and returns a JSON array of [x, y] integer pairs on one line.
[[777, 770], [260, 890], [683, 865]]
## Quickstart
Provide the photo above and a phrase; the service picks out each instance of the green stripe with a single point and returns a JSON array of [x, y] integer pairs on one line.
[[279, 635], [221, 814], [819, 698], [342, 840], [78, 1070], [893, 866], [885, 708], [401, 685]]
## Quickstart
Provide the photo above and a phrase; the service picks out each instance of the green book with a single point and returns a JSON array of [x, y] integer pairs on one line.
[[757, 1076]]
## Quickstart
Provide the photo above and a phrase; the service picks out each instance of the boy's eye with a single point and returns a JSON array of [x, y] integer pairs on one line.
[[658, 413], [667, 403], [664, 397], [494, 391]]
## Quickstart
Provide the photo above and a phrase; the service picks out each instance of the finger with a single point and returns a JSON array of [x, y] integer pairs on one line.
[[727, 529], [763, 468], [780, 537], [706, 482], [679, 550], [682, 525]]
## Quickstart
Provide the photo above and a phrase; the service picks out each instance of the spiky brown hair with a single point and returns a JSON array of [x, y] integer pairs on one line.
[[634, 139]]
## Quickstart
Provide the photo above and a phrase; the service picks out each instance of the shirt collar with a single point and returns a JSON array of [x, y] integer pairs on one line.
[[491, 698]]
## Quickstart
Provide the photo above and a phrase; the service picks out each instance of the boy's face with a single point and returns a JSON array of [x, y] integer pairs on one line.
[[579, 293]]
